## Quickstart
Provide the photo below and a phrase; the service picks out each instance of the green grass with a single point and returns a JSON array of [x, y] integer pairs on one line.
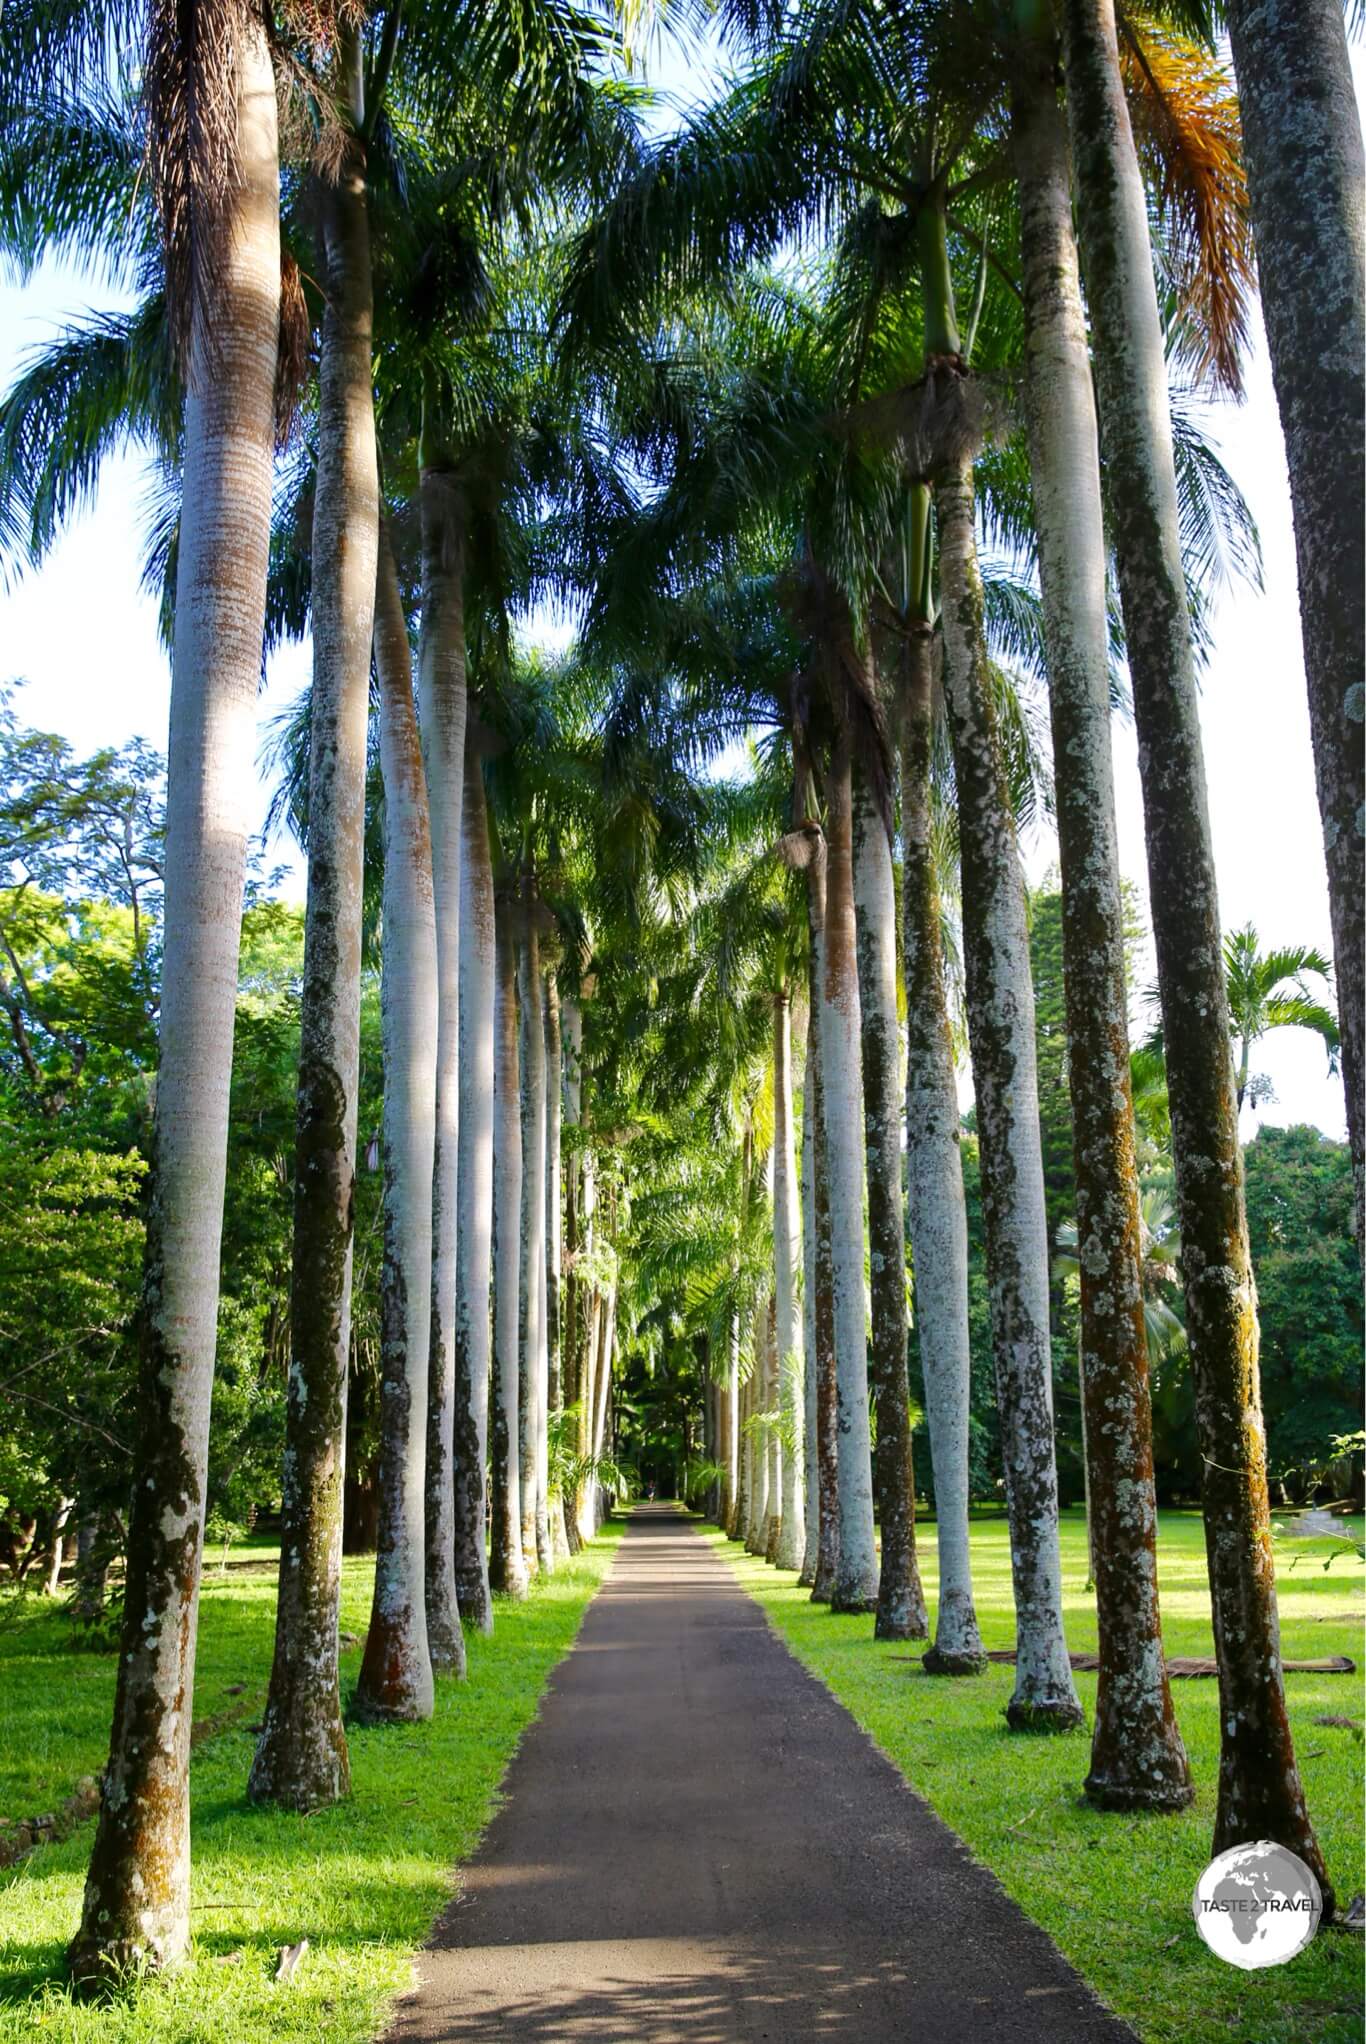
[[1114, 1891], [363, 1882]]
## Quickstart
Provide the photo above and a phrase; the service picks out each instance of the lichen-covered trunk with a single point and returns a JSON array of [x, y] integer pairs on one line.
[[842, 1106], [1137, 1758], [827, 1390], [811, 1515], [474, 1204], [1260, 1795], [301, 1757], [136, 1911], [442, 695], [791, 1541], [1000, 1003], [507, 1565], [396, 1671], [531, 1286], [935, 1207], [900, 1600], [1302, 145], [554, 1239]]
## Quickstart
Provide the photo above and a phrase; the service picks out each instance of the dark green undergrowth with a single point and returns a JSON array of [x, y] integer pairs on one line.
[[1115, 1891], [362, 1882]]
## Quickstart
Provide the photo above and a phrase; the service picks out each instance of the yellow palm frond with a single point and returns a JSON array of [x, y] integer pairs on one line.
[[1189, 138]]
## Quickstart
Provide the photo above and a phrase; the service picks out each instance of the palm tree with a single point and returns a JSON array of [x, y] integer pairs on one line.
[[1266, 991], [791, 1537], [507, 1565], [1302, 132], [1260, 1795], [396, 1672]]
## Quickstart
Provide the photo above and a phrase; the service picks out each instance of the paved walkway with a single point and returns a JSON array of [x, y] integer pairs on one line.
[[699, 1845]]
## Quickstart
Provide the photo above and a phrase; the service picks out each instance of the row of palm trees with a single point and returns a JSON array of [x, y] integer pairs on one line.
[[549, 362]]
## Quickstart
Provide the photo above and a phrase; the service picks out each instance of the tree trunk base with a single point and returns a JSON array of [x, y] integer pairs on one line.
[[365, 1710], [895, 1624], [1053, 1714], [1117, 1794], [101, 1968], [851, 1604], [939, 1662], [775, 1534]]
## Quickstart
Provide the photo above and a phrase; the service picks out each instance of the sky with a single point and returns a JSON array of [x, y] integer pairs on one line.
[[81, 635]]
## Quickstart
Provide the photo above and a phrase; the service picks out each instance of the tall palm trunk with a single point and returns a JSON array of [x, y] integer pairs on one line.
[[603, 1385], [554, 1241], [744, 1480], [507, 1566], [935, 1206], [1000, 1000], [811, 1467], [396, 1672], [1260, 1795], [900, 1599], [842, 1104], [137, 1893], [825, 1366], [531, 1286], [756, 1533], [773, 1524], [1302, 141], [573, 1371], [441, 655], [474, 1210], [791, 1541], [1137, 1758], [730, 1428], [301, 1759]]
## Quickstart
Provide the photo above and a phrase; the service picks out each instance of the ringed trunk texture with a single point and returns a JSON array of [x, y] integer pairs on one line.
[[791, 1542], [1260, 1795], [935, 1206], [900, 1600], [507, 1567], [1000, 1002], [1137, 1758], [1302, 146], [441, 658], [136, 1910], [811, 1521], [301, 1759], [531, 1290], [474, 1203], [396, 1672], [827, 1394], [855, 1586]]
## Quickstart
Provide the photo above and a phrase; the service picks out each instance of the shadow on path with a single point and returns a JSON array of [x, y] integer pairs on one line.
[[699, 1844]]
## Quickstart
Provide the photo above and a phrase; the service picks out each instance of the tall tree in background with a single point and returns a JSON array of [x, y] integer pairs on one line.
[[1305, 176], [215, 158], [1260, 1794]]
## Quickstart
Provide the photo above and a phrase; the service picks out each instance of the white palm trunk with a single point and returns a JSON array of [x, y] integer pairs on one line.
[[811, 1469], [474, 1209], [935, 1205], [136, 1911], [774, 1520], [791, 1544], [442, 694], [575, 1361], [855, 1587], [531, 1308], [1137, 1758], [1000, 1000], [301, 1759], [602, 1392], [396, 1672], [554, 1276], [507, 1564]]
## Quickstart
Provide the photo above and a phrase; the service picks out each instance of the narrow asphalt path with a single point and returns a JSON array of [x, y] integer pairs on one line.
[[699, 1845]]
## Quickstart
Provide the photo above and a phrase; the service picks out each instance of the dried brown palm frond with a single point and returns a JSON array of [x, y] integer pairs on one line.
[[1187, 130], [934, 423], [293, 361]]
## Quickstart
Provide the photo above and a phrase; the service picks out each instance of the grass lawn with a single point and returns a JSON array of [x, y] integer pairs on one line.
[[362, 1882], [1114, 1891]]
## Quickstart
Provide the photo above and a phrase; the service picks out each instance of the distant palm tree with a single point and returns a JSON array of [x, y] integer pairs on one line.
[[1266, 991]]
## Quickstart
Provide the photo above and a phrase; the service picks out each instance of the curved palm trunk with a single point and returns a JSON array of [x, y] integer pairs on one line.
[[507, 1566], [811, 1469], [1137, 1758], [474, 1210], [441, 659], [1260, 1795], [900, 1599], [136, 1910], [1302, 142], [301, 1758], [842, 1105], [554, 1258], [1000, 999], [791, 1541], [935, 1207], [396, 1672], [531, 1289]]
